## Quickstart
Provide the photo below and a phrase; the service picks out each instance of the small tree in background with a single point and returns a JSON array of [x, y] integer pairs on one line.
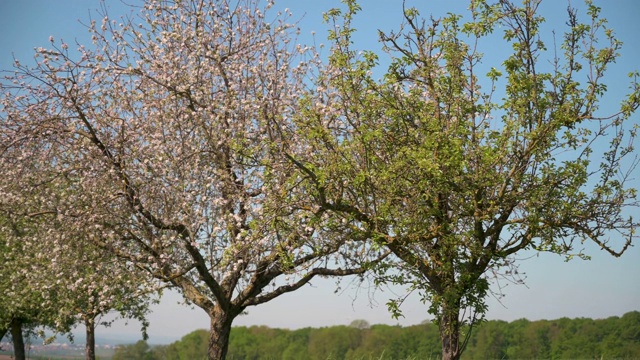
[[455, 178], [56, 284], [99, 284], [23, 307]]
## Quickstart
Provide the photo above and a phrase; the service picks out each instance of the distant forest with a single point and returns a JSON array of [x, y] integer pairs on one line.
[[615, 337]]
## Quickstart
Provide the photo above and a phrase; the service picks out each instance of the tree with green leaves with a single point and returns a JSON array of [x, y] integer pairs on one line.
[[456, 166], [28, 300], [616, 337], [55, 283], [138, 351], [97, 285]]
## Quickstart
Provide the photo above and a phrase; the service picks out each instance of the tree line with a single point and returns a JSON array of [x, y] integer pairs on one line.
[[581, 338], [195, 144]]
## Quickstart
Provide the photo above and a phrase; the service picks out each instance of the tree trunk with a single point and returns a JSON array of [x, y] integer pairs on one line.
[[221, 321], [449, 325], [18, 342], [90, 347]]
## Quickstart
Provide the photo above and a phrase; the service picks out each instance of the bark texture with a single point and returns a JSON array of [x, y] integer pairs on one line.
[[221, 321], [450, 334], [90, 347], [18, 341]]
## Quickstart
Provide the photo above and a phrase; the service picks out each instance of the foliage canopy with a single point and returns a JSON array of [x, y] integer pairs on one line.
[[455, 169]]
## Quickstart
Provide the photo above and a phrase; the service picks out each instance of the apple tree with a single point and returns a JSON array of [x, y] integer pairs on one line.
[[166, 136], [456, 165]]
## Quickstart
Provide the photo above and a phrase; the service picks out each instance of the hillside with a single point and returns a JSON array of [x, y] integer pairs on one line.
[[614, 337]]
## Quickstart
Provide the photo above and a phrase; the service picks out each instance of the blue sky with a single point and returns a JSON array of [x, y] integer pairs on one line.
[[599, 288]]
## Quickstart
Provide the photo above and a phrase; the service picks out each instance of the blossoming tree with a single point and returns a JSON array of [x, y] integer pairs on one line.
[[23, 307], [95, 285], [50, 282], [166, 138]]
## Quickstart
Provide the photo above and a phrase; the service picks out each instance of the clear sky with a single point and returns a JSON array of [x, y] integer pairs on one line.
[[599, 288]]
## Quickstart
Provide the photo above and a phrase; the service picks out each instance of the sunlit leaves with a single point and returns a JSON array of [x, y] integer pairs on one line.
[[454, 176]]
